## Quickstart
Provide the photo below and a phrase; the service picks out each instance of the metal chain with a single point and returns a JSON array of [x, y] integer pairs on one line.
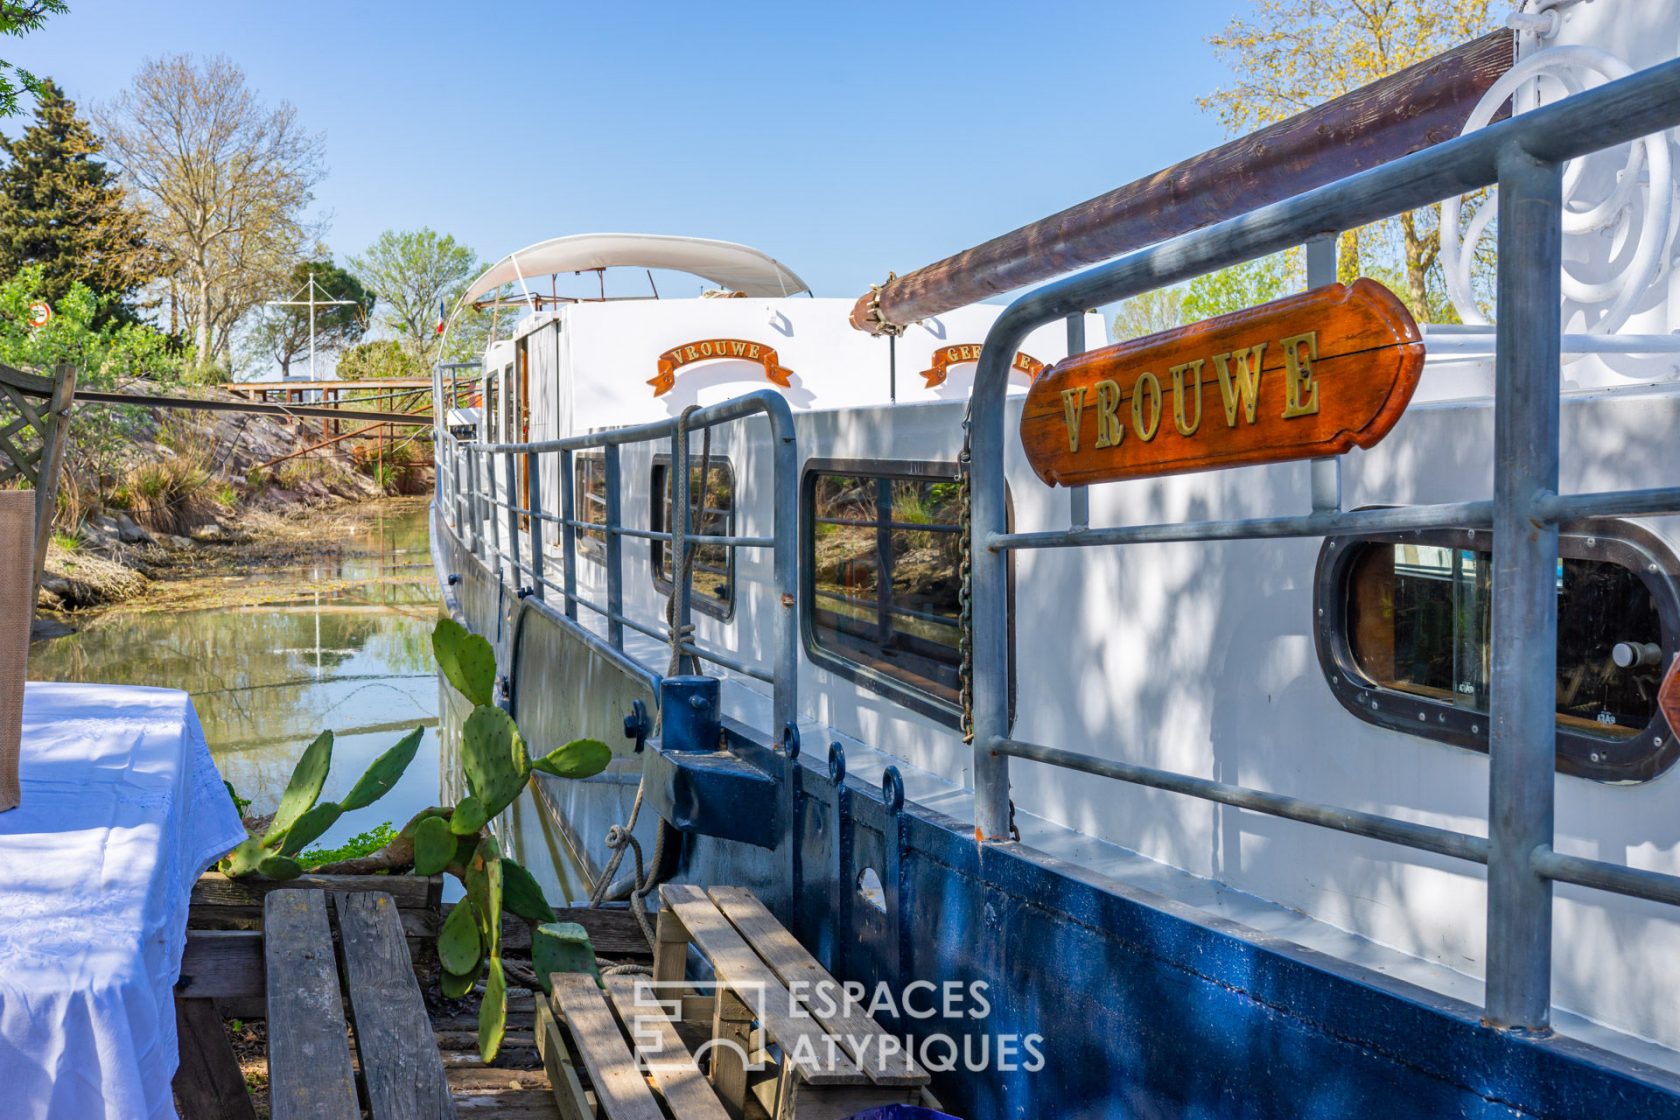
[[965, 591]]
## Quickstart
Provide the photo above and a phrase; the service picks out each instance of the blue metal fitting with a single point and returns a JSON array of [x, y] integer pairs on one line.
[[689, 709], [637, 726], [892, 789], [790, 740], [836, 763]]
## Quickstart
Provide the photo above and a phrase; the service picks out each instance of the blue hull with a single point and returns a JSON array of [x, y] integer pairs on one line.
[[1146, 1007]]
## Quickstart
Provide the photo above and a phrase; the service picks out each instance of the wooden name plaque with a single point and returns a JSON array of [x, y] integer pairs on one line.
[[1298, 378]]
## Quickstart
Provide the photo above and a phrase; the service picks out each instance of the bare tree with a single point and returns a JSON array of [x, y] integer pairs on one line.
[[226, 182]]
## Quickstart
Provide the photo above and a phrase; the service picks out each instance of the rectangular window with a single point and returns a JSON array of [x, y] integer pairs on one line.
[[882, 579], [589, 497], [492, 410], [713, 566]]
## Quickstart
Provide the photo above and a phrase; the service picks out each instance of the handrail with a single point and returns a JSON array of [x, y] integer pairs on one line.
[[1523, 155], [475, 505]]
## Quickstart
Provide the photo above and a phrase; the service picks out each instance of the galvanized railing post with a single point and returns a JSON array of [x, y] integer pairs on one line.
[[989, 575], [568, 533], [453, 458], [1326, 473], [533, 470], [615, 546], [510, 479], [1079, 498], [493, 537], [474, 521], [1523, 721], [681, 506], [784, 526]]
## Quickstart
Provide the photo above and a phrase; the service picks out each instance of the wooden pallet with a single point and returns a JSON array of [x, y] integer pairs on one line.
[[224, 975], [740, 1049]]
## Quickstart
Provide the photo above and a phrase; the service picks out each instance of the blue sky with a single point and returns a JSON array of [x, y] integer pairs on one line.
[[845, 139]]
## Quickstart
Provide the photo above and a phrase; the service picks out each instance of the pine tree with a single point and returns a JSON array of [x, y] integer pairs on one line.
[[63, 209]]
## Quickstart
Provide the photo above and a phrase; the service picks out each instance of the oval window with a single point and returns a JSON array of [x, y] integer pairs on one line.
[[1406, 621]]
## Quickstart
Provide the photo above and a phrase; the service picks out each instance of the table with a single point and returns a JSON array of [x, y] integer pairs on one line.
[[122, 810]]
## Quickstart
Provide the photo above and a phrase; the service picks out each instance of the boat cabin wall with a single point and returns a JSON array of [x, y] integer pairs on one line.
[[1202, 659], [610, 357]]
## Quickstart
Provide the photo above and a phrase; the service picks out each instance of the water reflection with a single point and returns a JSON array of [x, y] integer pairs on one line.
[[341, 641]]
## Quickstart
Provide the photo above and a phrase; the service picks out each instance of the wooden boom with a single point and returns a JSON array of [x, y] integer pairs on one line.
[[1403, 113]]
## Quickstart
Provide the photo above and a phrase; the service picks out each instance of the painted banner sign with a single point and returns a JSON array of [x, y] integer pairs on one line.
[[712, 350], [947, 356], [1311, 375]]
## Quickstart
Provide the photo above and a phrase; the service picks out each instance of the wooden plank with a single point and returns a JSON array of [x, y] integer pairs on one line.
[[1311, 375], [739, 969], [309, 1074], [613, 933], [208, 1083], [400, 1062], [619, 1086], [670, 951], [244, 897], [221, 964], [1403, 113], [563, 1079], [672, 1068], [733, 1049], [879, 1054], [796, 1101]]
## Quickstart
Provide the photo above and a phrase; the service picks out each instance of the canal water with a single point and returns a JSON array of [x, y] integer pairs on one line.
[[340, 639]]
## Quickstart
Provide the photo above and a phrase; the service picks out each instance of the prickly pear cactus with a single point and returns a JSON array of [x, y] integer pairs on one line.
[[448, 839]]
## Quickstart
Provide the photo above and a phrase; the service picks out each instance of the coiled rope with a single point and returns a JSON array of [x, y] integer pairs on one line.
[[620, 837]]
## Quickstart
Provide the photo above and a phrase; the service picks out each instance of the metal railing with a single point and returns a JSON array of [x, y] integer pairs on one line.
[[508, 537], [1524, 157]]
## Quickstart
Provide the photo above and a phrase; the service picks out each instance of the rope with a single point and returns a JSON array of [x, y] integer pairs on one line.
[[620, 837], [874, 316]]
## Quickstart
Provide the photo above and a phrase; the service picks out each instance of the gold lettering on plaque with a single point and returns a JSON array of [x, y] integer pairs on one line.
[[1110, 431], [1246, 386], [1073, 407], [1299, 378]]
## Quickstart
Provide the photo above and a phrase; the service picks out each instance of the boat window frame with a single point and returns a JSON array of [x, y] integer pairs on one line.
[[590, 544], [723, 609], [1638, 758], [874, 680]]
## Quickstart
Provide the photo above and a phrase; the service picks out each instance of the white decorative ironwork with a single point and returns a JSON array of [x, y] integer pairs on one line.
[[1639, 234]]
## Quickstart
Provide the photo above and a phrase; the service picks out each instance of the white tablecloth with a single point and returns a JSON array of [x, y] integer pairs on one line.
[[122, 810]]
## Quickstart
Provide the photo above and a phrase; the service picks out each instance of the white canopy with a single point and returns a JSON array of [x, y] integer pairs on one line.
[[736, 267]]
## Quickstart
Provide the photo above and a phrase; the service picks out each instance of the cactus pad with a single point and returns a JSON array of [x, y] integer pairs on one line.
[[467, 661], [458, 942], [580, 758], [522, 895], [377, 781], [434, 846], [308, 777]]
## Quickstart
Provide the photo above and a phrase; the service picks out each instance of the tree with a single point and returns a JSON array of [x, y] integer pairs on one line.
[[382, 358], [17, 19], [414, 273], [226, 182], [63, 210], [1150, 313], [284, 332], [1215, 293], [1243, 285], [1291, 55]]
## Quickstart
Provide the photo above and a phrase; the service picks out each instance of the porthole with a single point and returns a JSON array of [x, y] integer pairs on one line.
[[1403, 637]]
